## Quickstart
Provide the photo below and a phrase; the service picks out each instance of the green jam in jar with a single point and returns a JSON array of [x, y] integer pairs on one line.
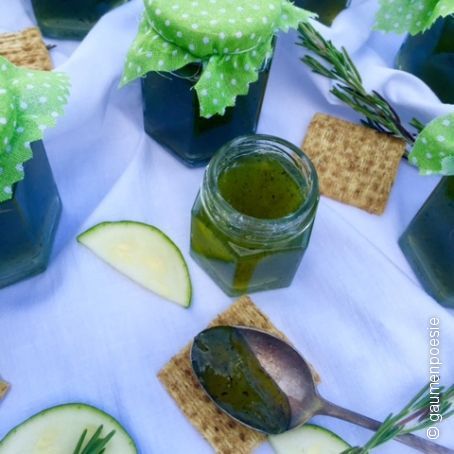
[[430, 56], [261, 186], [70, 19], [327, 10], [252, 219], [428, 243]]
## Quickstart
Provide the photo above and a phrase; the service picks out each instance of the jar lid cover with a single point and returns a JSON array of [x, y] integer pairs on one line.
[[30, 101], [411, 16], [207, 26], [433, 151], [231, 38]]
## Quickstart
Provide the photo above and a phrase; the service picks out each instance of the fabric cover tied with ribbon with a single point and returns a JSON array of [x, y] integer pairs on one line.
[[231, 39], [411, 16], [433, 151], [30, 101]]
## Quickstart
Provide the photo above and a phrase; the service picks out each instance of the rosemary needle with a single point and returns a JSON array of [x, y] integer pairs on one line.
[[337, 65], [413, 417]]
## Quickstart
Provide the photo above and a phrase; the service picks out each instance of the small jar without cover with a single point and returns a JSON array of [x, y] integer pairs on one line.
[[70, 19], [205, 68], [428, 243], [28, 221], [430, 56], [253, 216]]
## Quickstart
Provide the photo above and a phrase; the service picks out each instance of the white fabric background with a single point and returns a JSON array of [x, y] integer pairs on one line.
[[82, 332]]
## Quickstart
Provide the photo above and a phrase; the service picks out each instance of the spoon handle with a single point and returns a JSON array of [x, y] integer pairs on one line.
[[418, 443]]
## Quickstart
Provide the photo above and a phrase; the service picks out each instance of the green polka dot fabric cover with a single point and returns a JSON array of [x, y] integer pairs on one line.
[[231, 38], [30, 101], [411, 16], [433, 151]]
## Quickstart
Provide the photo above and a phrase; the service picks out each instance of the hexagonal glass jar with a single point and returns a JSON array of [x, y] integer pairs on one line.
[[246, 253], [70, 19], [428, 243], [172, 115], [29, 220]]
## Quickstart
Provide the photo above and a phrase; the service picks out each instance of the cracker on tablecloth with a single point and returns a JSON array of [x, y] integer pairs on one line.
[[355, 164], [4, 387], [26, 48], [224, 434]]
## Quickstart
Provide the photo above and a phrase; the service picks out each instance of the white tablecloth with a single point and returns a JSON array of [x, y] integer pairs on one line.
[[82, 332]]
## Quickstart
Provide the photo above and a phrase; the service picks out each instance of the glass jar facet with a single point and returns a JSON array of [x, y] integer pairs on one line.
[[242, 253], [428, 243], [70, 19], [327, 10], [430, 56], [172, 117], [28, 221]]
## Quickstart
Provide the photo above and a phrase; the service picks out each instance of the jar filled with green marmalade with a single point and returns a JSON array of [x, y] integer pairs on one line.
[[70, 19], [327, 10], [430, 56], [204, 67], [253, 216]]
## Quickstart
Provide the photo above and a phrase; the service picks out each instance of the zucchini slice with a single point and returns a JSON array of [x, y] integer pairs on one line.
[[308, 439], [58, 429]]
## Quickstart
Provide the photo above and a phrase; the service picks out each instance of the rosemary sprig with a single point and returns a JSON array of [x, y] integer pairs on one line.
[[337, 65], [413, 417], [95, 445]]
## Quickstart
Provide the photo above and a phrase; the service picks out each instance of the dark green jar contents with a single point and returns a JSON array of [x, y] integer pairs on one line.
[[264, 192], [233, 377], [70, 19], [428, 243], [172, 116], [430, 56], [327, 10], [261, 187]]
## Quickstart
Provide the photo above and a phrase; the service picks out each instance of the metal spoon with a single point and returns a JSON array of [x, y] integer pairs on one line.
[[293, 376]]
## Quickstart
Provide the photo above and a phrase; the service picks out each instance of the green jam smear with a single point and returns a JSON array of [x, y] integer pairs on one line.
[[261, 187], [231, 374]]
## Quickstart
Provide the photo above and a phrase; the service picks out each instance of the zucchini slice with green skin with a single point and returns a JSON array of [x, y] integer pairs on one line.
[[143, 253], [308, 439], [58, 429]]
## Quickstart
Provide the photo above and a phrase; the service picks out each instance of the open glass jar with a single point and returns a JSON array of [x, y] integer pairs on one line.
[[430, 56], [252, 219], [28, 221], [205, 67], [327, 10], [428, 243], [70, 19]]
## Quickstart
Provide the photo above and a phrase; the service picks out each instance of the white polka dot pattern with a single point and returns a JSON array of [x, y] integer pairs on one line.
[[433, 151], [231, 38], [411, 16], [26, 110]]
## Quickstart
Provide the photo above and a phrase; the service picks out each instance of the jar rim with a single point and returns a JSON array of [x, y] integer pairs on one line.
[[271, 230]]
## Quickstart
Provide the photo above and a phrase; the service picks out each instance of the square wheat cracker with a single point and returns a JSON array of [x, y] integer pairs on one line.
[[26, 49], [224, 434], [355, 164]]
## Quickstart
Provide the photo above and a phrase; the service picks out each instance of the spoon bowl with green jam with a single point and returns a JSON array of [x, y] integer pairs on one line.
[[264, 383]]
